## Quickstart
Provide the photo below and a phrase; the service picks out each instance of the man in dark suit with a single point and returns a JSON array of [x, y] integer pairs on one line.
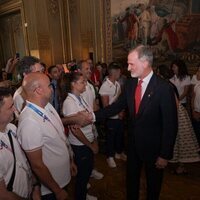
[[152, 123]]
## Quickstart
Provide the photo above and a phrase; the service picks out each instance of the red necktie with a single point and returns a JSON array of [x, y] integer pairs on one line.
[[138, 96]]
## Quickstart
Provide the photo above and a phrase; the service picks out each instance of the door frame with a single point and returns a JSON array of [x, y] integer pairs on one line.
[[12, 7]]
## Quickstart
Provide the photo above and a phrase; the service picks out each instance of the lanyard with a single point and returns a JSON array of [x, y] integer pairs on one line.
[[82, 102], [4, 145], [41, 114]]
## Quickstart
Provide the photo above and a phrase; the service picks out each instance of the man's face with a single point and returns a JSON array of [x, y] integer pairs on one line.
[[86, 71], [60, 68], [7, 110], [135, 65], [55, 73], [37, 67], [116, 73], [89, 61], [46, 88]]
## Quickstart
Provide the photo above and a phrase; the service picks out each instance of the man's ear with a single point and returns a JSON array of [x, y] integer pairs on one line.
[[73, 83], [145, 64], [39, 90]]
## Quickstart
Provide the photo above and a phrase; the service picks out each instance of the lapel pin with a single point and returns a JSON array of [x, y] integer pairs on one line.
[[150, 94]]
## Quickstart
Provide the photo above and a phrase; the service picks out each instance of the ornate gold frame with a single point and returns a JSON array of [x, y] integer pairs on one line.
[[13, 6]]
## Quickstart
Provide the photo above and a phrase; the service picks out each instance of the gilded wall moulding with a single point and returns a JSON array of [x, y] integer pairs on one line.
[[43, 41], [72, 7], [17, 25], [108, 30], [53, 7]]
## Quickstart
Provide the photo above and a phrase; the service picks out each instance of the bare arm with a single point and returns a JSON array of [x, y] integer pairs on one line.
[[81, 137], [195, 114], [96, 105], [185, 92], [43, 173], [81, 118], [105, 100], [7, 195]]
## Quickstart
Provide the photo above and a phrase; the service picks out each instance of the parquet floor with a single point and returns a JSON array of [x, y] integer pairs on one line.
[[112, 186]]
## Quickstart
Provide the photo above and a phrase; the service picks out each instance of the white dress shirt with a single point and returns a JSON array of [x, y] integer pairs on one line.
[[145, 82]]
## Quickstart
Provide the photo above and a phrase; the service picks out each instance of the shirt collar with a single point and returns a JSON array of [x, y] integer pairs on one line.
[[147, 78], [111, 83]]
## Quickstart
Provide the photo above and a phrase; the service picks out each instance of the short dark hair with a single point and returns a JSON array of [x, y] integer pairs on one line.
[[113, 66], [182, 68], [74, 76], [70, 78], [26, 63], [164, 71], [4, 92], [51, 68]]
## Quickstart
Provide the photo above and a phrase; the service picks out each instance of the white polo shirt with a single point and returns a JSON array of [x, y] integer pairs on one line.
[[194, 80], [71, 106], [180, 85], [18, 100], [46, 133], [197, 97], [113, 90], [89, 95], [22, 185]]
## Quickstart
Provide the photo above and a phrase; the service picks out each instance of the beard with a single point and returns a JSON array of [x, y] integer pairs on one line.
[[137, 74]]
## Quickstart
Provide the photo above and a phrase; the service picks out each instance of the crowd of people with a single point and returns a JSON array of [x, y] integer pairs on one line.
[[49, 124]]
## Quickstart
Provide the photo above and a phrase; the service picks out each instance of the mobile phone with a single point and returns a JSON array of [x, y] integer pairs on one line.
[[17, 55]]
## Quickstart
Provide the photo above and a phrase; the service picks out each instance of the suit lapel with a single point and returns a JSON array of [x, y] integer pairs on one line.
[[148, 94], [131, 96]]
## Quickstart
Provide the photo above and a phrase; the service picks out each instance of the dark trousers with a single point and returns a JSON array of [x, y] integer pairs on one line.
[[154, 177], [114, 137], [51, 196], [84, 158], [196, 126]]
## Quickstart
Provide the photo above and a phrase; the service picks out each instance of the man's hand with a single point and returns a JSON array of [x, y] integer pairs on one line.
[[73, 168], [94, 147], [121, 115], [6, 83], [196, 115], [84, 118], [161, 163], [11, 64], [36, 194], [61, 195]]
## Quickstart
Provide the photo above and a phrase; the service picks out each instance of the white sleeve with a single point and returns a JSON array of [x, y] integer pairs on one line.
[[18, 102], [29, 135], [193, 81], [69, 107], [2, 172], [187, 80], [104, 90]]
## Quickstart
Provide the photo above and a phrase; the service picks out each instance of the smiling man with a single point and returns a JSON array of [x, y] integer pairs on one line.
[[15, 174], [152, 123]]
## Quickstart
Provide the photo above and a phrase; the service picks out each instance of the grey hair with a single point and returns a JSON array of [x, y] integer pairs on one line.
[[26, 64], [144, 53]]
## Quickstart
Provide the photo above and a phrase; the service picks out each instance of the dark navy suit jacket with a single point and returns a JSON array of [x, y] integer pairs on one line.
[[152, 131]]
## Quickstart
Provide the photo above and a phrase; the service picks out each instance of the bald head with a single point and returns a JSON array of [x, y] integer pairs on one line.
[[35, 84]]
